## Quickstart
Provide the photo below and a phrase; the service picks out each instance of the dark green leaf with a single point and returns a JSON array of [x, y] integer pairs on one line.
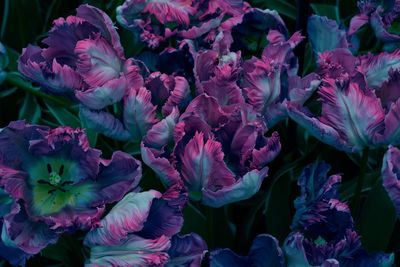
[[30, 110], [377, 219], [63, 116]]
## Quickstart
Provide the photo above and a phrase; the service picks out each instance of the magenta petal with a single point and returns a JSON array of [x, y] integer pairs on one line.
[[128, 216], [161, 166], [171, 11], [203, 165], [357, 22], [103, 23], [117, 176], [390, 176], [29, 236], [268, 152], [243, 188], [139, 113], [178, 95], [103, 96], [104, 123], [186, 251], [98, 61]]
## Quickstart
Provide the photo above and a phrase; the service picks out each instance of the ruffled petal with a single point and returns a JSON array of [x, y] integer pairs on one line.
[[98, 62], [171, 11], [390, 176], [315, 127], [134, 251], [103, 23], [117, 176], [186, 251], [104, 123], [243, 188], [380, 29], [126, 217], [100, 97], [324, 34], [203, 165], [139, 113]]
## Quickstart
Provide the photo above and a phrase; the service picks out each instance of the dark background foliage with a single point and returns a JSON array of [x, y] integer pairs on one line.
[[234, 226]]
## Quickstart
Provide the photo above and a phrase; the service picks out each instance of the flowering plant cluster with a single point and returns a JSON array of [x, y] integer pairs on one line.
[[201, 133]]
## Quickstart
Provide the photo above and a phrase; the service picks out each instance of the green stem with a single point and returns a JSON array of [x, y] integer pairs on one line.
[[210, 225], [5, 18], [360, 182], [16, 80]]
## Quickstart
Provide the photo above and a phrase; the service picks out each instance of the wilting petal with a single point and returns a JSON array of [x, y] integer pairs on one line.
[[265, 252], [134, 251], [103, 96], [390, 176], [98, 62], [203, 165], [118, 176], [243, 188], [104, 123], [103, 23], [325, 34], [186, 251], [126, 217], [139, 113]]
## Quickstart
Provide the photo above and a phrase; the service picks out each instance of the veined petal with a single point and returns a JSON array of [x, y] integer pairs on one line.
[[390, 176], [203, 165], [355, 113], [104, 123], [139, 113], [126, 217], [186, 251], [132, 252], [103, 23], [98, 62], [325, 34], [162, 132], [357, 22], [377, 68], [262, 84], [380, 29], [315, 127], [243, 188], [30, 236], [100, 97], [178, 96], [117, 176], [161, 166], [171, 11]]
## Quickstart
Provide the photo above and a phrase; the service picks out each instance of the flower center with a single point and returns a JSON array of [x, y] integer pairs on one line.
[[54, 178]]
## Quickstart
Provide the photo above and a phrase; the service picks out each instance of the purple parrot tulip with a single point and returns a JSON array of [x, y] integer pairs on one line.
[[382, 19], [220, 155], [58, 183], [181, 19], [323, 229], [141, 108], [265, 252], [141, 230], [390, 177], [83, 58], [358, 106]]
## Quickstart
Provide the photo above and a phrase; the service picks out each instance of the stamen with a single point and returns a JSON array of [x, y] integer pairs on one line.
[[52, 190], [41, 181], [67, 183]]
